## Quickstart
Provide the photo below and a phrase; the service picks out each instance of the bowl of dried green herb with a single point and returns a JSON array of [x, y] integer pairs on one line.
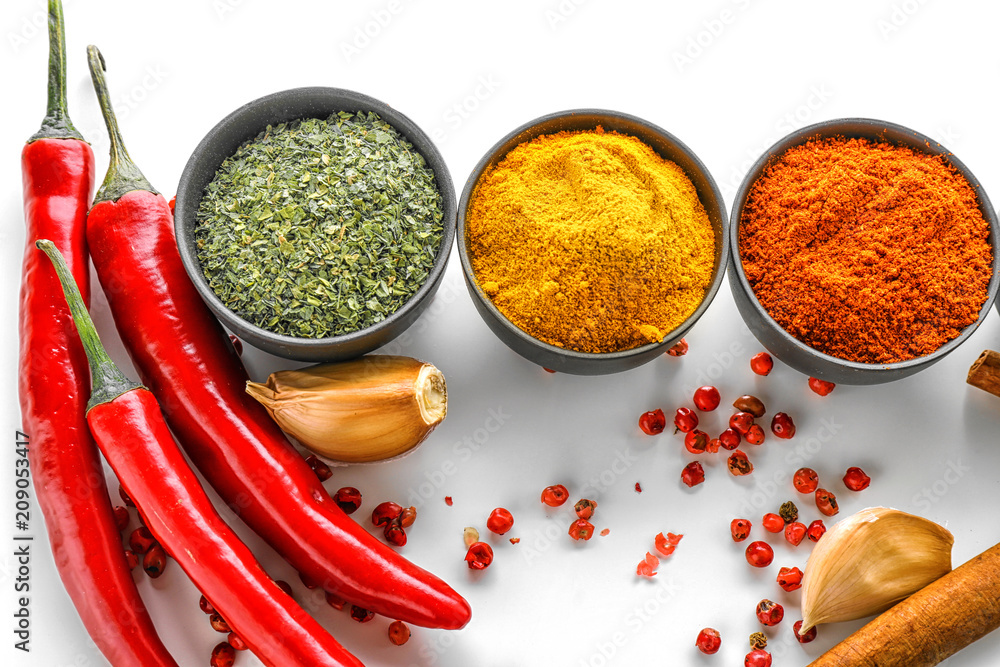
[[591, 240], [316, 223], [863, 251]]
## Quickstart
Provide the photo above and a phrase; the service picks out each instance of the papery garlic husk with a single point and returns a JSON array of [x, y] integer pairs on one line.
[[868, 562], [368, 409]]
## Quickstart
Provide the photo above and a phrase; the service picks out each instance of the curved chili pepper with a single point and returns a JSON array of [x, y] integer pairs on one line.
[[129, 429], [58, 173], [185, 357]]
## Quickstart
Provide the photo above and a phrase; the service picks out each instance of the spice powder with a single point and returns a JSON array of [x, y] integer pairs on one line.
[[590, 241], [866, 251]]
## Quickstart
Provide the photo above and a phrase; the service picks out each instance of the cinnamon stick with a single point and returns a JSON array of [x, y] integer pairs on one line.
[[985, 373], [935, 622]]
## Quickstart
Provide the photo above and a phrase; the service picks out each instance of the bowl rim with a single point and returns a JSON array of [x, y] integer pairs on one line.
[[870, 127], [341, 97], [491, 157]]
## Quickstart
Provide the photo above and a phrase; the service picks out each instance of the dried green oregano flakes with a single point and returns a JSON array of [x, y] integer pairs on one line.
[[319, 228]]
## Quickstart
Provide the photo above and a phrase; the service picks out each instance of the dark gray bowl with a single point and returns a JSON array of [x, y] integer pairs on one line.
[[668, 146], [246, 123], [790, 350]]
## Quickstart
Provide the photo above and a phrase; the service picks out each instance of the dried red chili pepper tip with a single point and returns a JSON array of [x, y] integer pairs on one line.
[[707, 398], [739, 464], [385, 513], [761, 363], [399, 633], [479, 556], [803, 638], [790, 578], [223, 655], [679, 349], [759, 554], [757, 658], [685, 420], [856, 480], [769, 613], [653, 422], [584, 508], [360, 614], [821, 387], [773, 523], [805, 480], [693, 474], [581, 529], [782, 426], [708, 641], [826, 502], [321, 469], [740, 529], [348, 499], [555, 495]]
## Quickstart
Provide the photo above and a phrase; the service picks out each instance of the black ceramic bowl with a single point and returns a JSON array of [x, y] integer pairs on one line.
[[669, 147], [797, 354], [246, 123]]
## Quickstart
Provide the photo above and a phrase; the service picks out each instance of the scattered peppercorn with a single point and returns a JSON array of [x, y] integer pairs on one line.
[[751, 404], [653, 422], [769, 613], [500, 521], [685, 420], [348, 499], [758, 640], [788, 511], [696, 441], [693, 474], [805, 480], [679, 349], [555, 495], [856, 480], [581, 529], [585, 508], [782, 426], [803, 638], [708, 641], [795, 532], [821, 387], [739, 464], [826, 502], [761, 363], [399, 633], [816, 530], [707, 398], [790, 578], [773, 523], [740, 528], [759, 554]]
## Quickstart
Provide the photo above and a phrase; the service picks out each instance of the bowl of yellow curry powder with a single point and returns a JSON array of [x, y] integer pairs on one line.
[[591, 240]]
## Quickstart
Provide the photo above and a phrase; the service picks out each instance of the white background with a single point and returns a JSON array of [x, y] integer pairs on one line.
[[729, 78]]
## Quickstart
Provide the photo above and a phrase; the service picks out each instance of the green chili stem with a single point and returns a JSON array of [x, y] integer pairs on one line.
[[123, 176], [56, 124], [108, 381]]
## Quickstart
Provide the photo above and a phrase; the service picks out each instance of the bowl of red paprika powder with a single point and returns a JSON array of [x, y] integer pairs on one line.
[[863, 251], [591, 240]]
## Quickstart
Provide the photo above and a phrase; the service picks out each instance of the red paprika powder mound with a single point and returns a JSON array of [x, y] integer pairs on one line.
[[864, 250]]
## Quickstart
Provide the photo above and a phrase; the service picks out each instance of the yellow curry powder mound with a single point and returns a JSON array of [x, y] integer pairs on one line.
[[590, 241]]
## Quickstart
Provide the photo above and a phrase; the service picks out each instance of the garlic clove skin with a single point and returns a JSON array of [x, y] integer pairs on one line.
[[868, 562], [368, 409]]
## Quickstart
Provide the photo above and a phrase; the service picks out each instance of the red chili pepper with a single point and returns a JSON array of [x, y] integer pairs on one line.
[[130, 431], [185, 357], [64, 463]]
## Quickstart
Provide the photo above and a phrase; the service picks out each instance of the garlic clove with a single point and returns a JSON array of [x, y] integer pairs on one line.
[[868, 562], [368, 409]]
